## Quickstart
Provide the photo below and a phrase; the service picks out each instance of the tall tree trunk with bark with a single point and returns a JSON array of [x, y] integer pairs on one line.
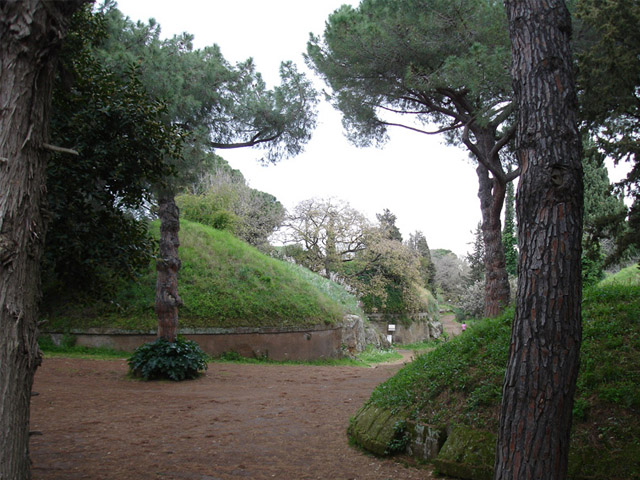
[[30, 34], [497, 290], [540, 381], [167, 299], [492, 184]]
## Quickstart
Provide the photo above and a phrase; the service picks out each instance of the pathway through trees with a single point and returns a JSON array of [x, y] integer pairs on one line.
[[239, 421]]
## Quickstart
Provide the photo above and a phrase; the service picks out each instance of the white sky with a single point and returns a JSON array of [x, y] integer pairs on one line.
[[427, 185]]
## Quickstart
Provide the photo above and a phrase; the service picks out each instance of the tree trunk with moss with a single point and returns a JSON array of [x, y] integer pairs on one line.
[[539, 386], [167, 299], [30, 35]]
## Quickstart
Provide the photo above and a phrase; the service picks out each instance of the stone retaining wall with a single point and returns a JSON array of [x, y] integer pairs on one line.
[[302, 343], [277, 344], [421, 328]]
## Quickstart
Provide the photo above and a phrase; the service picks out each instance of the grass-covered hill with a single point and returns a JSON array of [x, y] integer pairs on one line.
[[223, 282], [460, 382]]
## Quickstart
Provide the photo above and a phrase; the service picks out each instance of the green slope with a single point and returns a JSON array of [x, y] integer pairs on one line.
[[223, 282], [460, 382]]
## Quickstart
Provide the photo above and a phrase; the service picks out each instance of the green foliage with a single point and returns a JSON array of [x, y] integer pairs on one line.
[[608, 74], [509, 232], [116, 128], [224, 282], [416, 57], [222, 199], [161, 359], [220, 104], [475, 258], [627, 276], [418, 245], [604, 215], [375, 355], [400, 440], [209, 209], [387, 222]]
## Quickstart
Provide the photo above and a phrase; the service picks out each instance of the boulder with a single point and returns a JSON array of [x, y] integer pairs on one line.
[[353, 335]]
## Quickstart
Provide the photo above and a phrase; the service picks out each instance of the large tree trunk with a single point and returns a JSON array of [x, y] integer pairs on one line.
[[539, 385], [30, 34], [167, 299], [497, 291], [492, 184]]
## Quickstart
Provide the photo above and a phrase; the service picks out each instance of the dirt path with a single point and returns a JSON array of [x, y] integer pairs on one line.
[[450, 325], [238, 421]]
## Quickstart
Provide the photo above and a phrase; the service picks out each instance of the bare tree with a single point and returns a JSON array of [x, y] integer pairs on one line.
[[30, 35], [330, 232]]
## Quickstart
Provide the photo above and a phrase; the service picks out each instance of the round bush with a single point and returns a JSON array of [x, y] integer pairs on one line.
[[161, 359]]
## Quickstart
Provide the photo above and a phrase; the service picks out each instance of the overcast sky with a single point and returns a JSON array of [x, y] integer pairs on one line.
[[427, 185]]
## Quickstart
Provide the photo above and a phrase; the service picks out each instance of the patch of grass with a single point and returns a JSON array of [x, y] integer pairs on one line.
[[372, 355], [68, 349], [223, 282], [423, 347], [627, 276], [233, 357]]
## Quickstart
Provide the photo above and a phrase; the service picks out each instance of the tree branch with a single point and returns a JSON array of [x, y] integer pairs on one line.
[[502, 141], [419, 130], [255, 140], [53, 148]]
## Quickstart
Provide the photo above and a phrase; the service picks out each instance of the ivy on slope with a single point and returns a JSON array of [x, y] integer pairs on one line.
[[461, 380]]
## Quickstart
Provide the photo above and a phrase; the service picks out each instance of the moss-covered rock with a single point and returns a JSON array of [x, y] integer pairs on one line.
[[425, 440], [467, 454], [377, 430]]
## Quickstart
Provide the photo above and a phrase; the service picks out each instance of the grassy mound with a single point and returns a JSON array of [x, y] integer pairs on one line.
[[223, 282], [460, 383]]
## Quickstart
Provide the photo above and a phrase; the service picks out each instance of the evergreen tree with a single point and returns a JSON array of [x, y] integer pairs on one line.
[[604, 215], [411, 63], [509, 236], [476, 257], [419, 246], [387, 221], [94, 238], [218, 106]]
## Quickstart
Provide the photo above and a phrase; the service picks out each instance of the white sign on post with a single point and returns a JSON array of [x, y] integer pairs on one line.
[[391, 327]]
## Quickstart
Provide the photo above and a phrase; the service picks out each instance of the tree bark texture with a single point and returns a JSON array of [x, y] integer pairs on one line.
[[30, 34], [167, 299], [497, 290], [492, 187], [539, 386]]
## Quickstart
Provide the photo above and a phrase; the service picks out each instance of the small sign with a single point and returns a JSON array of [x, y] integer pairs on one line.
[[391, 327], [390, 338]]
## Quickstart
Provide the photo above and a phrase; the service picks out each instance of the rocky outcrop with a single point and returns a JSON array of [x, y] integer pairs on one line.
[[378, 430], [458, 451], [357, 334], [467, 454], [353, 335]]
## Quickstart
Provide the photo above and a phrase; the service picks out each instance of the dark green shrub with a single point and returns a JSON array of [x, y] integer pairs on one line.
[[180, 360]]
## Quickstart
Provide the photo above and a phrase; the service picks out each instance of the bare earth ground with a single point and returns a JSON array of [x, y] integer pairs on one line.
[[238, 421]]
